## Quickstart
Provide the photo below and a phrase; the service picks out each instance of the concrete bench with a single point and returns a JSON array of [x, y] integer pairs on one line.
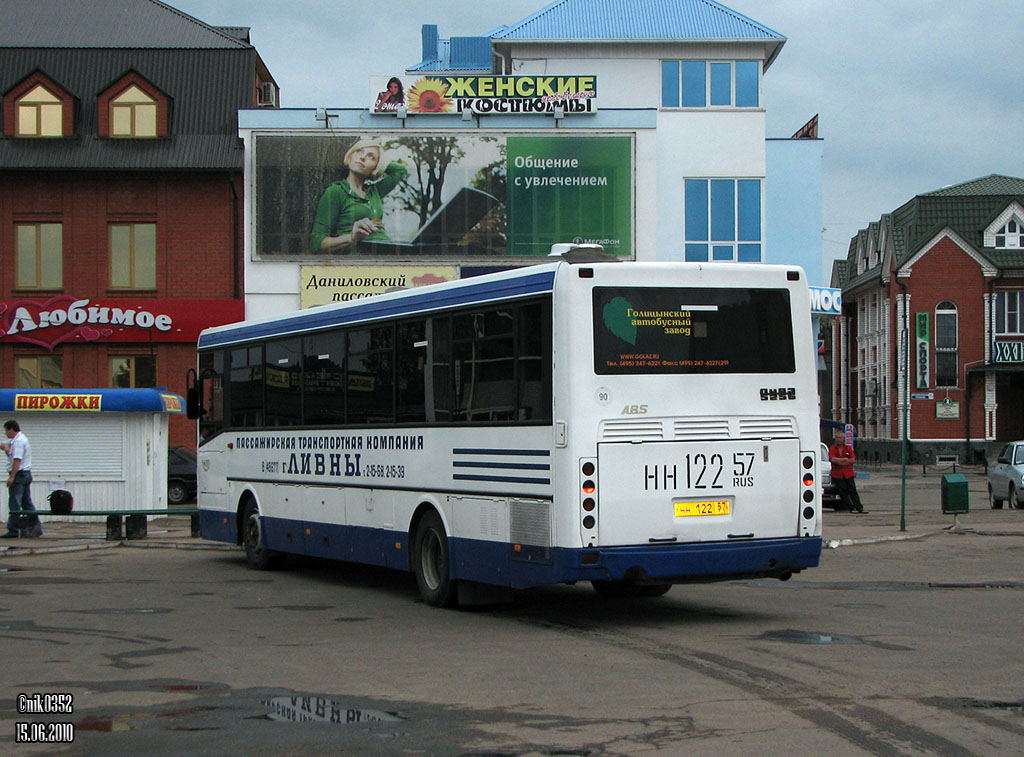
[[134, 520]]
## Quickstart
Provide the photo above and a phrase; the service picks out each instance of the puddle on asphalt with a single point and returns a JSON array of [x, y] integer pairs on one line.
[[813, 637], [124, 611], [311, 709], [986, 704]]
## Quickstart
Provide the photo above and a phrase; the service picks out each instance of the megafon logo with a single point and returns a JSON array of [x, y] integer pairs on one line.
[[63, 318]]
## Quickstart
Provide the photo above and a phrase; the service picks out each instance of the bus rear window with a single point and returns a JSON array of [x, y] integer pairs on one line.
[[642, 330]]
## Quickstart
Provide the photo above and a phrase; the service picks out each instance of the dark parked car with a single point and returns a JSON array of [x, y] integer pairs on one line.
[[181, 475]]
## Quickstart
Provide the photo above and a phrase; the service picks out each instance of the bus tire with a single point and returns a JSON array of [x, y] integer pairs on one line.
[[654, 590], [616, 589], [256, 554], [431, 562]]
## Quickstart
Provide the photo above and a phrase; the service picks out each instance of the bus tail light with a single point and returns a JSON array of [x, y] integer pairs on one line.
[[588, 494], [807, 490]]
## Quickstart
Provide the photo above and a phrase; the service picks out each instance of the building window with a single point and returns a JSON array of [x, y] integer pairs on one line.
[[723, 219], [133, 255], [132, 371], [1011, 235], [946, 342], [39, 260], [1008, 315], [710, 84], [133, 114], [40, 113], [45, 372]]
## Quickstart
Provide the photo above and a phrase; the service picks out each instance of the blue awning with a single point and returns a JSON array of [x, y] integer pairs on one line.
[[157, 400]]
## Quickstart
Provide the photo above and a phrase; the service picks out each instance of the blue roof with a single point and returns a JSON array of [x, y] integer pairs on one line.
[[637, 20], [157, 400], [618, 20], [521, 282]]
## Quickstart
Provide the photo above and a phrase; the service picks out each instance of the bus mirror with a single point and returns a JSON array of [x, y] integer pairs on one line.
[[193, 407]]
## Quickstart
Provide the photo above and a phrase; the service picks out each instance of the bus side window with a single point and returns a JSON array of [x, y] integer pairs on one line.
[[323, 378], [283, 382], [370, 375], [533, 356], [410, 365], [484, 352], [211, 372], [437, 389], [245, 390]]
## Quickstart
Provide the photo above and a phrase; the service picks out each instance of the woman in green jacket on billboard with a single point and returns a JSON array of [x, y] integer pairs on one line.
[[351, 209]]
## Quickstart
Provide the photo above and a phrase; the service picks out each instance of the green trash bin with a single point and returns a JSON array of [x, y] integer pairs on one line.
[[954, 493]]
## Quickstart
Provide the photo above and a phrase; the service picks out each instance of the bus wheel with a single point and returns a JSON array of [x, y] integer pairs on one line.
[[257, 555], [432, 563], [616, 589], [654, 590]]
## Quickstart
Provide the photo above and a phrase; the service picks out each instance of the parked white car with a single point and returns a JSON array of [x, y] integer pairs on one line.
[[1004, 477], [829, 498]]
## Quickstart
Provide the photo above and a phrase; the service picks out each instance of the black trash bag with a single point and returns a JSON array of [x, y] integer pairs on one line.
[[61, 502]]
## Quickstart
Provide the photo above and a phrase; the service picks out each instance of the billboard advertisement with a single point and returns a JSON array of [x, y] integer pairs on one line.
[[483, 94], [405, 196]]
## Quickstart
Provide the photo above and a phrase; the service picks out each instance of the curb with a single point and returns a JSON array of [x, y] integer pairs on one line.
[[836, 543], [23, 551]]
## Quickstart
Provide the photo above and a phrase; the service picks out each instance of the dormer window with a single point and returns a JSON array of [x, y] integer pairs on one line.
[[133, 114], [134, 108], [1006, 231], [40, 113], [1011, 235]]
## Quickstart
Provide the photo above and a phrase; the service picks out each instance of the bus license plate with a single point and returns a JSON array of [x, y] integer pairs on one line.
[[705, 507]]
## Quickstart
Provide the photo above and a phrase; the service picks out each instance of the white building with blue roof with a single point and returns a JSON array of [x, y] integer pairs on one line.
[[636, 124]]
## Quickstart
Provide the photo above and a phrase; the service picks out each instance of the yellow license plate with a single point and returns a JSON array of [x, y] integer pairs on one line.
[[707, 507]]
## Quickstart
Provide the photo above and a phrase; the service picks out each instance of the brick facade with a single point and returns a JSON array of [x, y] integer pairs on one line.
[[198, 232]]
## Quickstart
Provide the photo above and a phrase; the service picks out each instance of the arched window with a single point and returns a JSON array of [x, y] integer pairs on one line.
[[40, 113], [947, 366], [133, 114], [1011, 235]]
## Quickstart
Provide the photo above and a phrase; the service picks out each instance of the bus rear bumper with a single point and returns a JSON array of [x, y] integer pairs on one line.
[[690, 563]]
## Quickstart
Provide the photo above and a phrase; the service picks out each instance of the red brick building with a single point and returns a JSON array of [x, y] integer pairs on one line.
[[940, 281], [120, 191]]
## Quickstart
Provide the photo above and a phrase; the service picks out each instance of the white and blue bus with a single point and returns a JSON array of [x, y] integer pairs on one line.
[[631, 424]]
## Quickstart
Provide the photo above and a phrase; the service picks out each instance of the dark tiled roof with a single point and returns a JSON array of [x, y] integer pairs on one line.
[[207, 75], [968, 209], [109, 24], [993, 184], [839, 274]]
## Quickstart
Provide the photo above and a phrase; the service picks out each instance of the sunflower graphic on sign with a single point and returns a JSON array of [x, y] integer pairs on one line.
[[429, 96]]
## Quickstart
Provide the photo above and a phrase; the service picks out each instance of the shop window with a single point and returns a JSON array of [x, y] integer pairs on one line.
[[133, 256], [1008, 313], [45, 372], [710, 84], [1011, 235], [133, 114], [133, 371], [723, 220], [946, 345], [39, 258], [39, 113]]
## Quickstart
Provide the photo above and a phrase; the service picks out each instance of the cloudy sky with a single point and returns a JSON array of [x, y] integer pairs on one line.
[[912, 95]]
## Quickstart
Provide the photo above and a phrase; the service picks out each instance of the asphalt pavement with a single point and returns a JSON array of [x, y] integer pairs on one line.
[[897, 505]]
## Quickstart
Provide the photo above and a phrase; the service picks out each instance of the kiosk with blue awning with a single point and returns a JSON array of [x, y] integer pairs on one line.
[[108, 447]]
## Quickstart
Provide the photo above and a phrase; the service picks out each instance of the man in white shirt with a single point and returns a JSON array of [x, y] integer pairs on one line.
[[19, 484]]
